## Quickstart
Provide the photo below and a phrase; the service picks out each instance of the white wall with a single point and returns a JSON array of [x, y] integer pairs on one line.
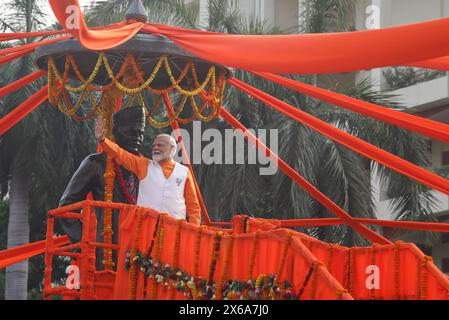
[[399, 12], [280, 13], [286, 14]]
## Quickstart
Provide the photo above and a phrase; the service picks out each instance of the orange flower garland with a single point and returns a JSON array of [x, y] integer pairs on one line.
[[157, 257], [197, 251], [196, 261], [423, 278], [226, 267], [176, 251], [135, 249], [284, 258], [253, 255], [259, 282], [211, 89], [109, 178], [149, 253], [213, 263]]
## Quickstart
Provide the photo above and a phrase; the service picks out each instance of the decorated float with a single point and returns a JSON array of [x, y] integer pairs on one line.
[[158, 257]]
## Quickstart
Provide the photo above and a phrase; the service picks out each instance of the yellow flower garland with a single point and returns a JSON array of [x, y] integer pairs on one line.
[[212, 97], [176, 251], [133, 269]]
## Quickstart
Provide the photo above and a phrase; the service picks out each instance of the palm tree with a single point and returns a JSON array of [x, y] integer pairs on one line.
[[38, 155], [341, 174]]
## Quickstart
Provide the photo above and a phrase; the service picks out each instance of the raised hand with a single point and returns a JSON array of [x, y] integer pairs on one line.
[[100, 130]]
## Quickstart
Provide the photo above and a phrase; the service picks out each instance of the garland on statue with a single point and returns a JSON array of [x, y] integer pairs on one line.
[[130, 199]]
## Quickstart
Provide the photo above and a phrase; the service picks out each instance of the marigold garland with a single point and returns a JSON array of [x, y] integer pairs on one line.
[[213, 264], [146, 267], [130, 199], [253, 254], [197, 251], [226, 267], [210, 89], [109, 178], [194, 286], [423, 277], [262, 288], [176, 250], [284, 257], [157, 278], [135, 256]]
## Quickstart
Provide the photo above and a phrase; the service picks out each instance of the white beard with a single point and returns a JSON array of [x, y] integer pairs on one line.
[[161, 156]]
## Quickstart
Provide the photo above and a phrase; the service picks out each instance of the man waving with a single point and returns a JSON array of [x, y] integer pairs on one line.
[[165, 185]]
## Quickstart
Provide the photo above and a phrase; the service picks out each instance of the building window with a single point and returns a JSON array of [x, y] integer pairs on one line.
[[445, 158], [445, 265]]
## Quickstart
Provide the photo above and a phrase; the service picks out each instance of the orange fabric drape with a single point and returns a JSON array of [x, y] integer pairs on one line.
[[12, 118], [13, 56], [73, 21], [429, 128], [362, 147], [441, 63], [233, 261], [320, 53], [339, 273], [11, 256], [404, 271], [23, 35], [32, 46], [301, 54], [21, 82]]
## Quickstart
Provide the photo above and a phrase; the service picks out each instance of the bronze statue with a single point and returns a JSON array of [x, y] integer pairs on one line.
[[128, 130]]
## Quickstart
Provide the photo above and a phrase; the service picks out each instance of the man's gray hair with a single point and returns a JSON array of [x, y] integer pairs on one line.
[[171, 141]]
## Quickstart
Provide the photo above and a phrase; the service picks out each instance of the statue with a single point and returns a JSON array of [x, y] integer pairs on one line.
[[128, 130]]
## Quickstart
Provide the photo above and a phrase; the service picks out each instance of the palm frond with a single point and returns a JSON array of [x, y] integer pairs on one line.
[[174, 12]]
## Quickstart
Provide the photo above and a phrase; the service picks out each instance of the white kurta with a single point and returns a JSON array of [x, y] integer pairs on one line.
[[162, 194]]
